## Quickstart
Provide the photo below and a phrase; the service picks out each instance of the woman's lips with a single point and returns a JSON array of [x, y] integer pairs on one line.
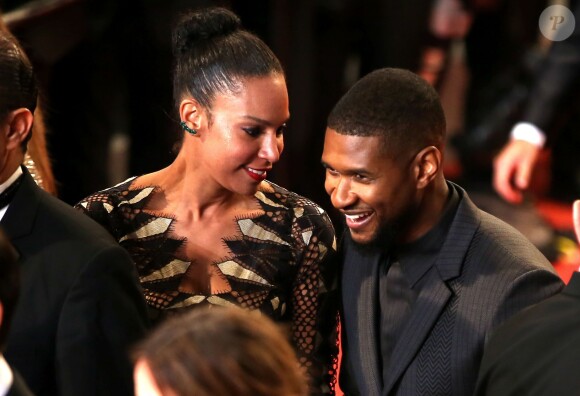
[[256, 174]]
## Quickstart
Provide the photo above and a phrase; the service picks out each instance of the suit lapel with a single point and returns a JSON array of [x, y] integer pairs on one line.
[[360, 304], [429, 305], [573, 286], [433, 299]]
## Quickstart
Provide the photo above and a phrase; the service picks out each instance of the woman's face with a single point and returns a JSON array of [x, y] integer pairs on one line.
[[245, 136]]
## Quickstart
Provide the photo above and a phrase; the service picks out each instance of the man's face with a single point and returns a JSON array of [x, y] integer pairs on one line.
[[375, 193]]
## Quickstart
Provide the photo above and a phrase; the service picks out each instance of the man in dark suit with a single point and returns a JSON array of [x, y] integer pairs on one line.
[[426, 275], [11, 384], [80, 304], [536, 352]]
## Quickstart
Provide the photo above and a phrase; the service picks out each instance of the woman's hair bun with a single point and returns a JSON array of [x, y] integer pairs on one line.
[[203, 25]]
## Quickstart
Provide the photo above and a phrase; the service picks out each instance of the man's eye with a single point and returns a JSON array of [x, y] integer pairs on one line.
[[281, 130], [360, 178], [252, 131]]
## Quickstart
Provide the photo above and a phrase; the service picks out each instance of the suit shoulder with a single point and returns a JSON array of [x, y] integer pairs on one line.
[[59, 218], [506, 244]]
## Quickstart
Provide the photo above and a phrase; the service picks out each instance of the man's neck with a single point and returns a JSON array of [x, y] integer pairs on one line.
[[430, 209]]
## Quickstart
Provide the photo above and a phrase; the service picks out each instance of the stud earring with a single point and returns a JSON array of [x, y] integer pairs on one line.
[[187, 129]]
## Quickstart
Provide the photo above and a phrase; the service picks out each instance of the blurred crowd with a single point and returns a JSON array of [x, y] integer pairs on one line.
[[105, 73]]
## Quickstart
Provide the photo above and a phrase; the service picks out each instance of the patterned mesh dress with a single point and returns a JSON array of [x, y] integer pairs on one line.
[[282, 263]]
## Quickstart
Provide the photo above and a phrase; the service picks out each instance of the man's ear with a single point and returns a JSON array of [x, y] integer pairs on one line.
[[192, 113], [19, 125], [427, 165]]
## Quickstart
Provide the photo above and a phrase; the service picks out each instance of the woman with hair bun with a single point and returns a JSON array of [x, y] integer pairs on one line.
[[210, 229]]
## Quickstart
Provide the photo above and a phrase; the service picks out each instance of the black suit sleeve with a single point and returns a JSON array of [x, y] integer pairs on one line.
[[557, 79], [528, 289], [103, 315]]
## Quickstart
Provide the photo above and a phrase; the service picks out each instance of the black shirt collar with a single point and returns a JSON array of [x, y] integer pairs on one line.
[[417, 257]]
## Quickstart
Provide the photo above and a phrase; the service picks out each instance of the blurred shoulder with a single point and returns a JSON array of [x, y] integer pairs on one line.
[[305, 214], [277, 196]]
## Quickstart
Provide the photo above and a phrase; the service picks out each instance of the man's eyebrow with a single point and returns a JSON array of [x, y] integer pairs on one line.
[[350, 171]]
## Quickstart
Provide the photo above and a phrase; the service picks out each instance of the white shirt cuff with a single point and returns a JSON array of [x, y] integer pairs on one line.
[[528, 132]]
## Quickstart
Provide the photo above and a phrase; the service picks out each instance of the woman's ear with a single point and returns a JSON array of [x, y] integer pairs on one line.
[[19, 123], [427, 165], [191, 113]]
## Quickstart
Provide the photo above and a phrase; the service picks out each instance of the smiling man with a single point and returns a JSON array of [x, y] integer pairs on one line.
[[427, 276]]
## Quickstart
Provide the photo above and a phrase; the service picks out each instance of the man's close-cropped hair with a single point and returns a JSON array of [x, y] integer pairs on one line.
[[395, 104], [18, 86]]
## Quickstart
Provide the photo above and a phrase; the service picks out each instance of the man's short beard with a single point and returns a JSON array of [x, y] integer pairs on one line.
[[389, 233], [382, 240]]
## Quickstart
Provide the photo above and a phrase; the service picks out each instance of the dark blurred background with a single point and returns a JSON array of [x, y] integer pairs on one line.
[[105, 71]]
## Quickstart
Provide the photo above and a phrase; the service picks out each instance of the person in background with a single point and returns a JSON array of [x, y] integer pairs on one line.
[[556, 80], [80, 305], [536, 352], [218, 352], [37, 159], [209, 229], [11, 383], [426, 275]]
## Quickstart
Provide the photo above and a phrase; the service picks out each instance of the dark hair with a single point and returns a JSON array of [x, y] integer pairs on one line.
[[395, 104], [9, 284], [18, 87], [212, 53], [222, 351]]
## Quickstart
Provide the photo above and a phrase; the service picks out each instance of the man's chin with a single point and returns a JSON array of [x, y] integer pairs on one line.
[[381, 240], [362, 240]]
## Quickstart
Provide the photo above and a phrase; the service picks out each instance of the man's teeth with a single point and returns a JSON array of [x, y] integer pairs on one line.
[[257, 172], [357, 217]]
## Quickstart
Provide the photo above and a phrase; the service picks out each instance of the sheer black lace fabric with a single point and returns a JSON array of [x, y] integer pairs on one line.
[[282, 263]]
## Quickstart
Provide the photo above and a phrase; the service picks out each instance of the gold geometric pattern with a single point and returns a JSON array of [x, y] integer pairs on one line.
[[174, 268], [282, 264], [231, 268], [253, 230]]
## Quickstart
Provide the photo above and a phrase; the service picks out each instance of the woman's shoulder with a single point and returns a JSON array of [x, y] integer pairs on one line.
[[280, 198], [123, 193], [286, 198]]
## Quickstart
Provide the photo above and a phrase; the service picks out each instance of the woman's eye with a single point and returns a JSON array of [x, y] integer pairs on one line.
[[252, 131]]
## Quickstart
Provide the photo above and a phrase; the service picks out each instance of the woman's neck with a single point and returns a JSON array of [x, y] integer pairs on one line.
[[189, 193]]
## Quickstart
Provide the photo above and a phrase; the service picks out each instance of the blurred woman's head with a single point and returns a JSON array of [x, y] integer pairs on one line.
[[218, 352]]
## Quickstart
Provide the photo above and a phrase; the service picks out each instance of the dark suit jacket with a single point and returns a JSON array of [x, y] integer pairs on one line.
[[537, 351], [80, 303], [19, 387], [486, 272]]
